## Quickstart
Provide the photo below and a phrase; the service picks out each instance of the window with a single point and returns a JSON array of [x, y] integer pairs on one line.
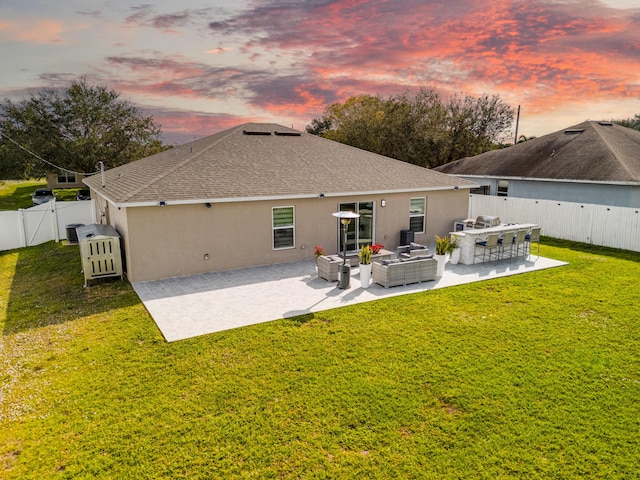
[[66, 177], [283, 227], [417, 211], [481, 190], [503, 188]]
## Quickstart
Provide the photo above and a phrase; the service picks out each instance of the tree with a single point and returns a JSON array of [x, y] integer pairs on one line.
[[524, 138], [319, 126], [420, 128], [75, 129], [630, 122]]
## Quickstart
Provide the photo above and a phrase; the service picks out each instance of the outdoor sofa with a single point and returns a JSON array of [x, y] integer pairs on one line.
[[412, 250], [392, 273]]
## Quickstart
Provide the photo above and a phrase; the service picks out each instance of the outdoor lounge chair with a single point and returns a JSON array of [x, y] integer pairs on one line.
[[329, 267]]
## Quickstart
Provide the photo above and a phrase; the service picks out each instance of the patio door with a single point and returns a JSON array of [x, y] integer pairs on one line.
[[360, 230]]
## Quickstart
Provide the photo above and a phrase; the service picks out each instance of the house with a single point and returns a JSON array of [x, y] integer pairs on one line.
[[260, 194], [593, 162], [63, 179]]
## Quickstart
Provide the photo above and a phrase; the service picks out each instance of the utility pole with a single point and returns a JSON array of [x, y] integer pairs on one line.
[[517, 124]]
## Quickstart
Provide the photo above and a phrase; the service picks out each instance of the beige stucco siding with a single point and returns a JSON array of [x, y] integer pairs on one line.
[[171, 241], [52, 181]]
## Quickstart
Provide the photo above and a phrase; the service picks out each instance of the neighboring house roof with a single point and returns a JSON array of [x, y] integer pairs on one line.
[[591, 151], [256, 161]]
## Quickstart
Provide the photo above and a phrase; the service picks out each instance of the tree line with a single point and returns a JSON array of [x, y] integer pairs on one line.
[[423, 128], [80, 126]]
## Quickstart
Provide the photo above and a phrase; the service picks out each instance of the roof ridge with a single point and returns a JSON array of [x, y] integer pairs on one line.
[[178, 165], [613, 150]]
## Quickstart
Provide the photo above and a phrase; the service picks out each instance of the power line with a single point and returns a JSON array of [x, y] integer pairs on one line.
[[4, 135]]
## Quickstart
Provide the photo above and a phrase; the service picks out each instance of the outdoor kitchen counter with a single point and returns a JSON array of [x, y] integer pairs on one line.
[[468, 238]]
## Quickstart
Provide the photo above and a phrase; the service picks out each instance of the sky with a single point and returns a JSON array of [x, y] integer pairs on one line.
[[202, 66]]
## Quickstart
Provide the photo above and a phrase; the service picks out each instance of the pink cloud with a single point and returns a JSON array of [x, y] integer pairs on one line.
[[38, 31], [547, 52], [292, 59]]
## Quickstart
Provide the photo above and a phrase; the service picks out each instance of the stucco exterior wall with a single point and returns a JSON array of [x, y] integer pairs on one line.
[[52, 182], [178, 240]]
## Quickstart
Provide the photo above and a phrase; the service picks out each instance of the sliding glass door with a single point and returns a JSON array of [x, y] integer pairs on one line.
[[360, 230]]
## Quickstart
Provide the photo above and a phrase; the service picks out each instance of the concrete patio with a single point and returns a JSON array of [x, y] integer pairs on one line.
[[187, 307]]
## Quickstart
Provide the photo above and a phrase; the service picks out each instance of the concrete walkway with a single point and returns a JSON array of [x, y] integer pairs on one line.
[[187, 307]]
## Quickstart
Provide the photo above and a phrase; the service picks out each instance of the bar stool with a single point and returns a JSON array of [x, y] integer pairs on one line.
[[519, 242], [506, 240], [490, 244], [533, 236]]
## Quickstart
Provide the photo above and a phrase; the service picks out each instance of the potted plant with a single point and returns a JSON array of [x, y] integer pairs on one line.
[[318, 251], [443, 247], [455, 248], [376, 247], [365, 265]]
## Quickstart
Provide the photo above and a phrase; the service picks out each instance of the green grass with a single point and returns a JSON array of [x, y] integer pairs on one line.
[[531, 376], [17, 194]]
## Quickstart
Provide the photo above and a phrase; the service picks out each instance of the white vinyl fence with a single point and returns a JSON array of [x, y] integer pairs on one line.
[[616, 227], [42, 223]]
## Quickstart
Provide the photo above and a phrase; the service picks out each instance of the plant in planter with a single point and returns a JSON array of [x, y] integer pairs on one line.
[[318, 251], [445, 245], [365, 255], [455, 249], [376, 247], [365, 265]]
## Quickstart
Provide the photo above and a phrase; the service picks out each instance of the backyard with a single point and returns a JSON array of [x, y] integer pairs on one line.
[[17, 194], [530, 376]]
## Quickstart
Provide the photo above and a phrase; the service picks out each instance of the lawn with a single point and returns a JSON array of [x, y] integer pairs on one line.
[[17, 194], [531, 376]]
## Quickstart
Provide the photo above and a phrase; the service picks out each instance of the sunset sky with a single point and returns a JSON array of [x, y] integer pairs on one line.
[[202, 66]]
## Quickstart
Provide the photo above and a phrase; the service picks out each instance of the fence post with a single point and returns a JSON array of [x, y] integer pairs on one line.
[[54, 219], [23, 229]]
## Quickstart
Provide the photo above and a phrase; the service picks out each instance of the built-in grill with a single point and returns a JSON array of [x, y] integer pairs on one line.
[[486, 221]]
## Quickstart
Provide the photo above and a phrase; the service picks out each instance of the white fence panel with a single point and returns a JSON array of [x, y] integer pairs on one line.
[[42, 223], [616, 227], [39, 226], [11, 232], [74, 212]]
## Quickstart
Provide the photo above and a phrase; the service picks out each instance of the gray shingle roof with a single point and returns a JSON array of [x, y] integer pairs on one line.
[[240, 164], [590, 151]]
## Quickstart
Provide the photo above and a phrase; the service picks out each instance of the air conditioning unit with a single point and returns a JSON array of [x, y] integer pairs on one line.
[[100, 252]]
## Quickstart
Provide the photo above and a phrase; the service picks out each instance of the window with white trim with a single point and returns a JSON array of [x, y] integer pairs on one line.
[[283, 222], [417, 214]]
